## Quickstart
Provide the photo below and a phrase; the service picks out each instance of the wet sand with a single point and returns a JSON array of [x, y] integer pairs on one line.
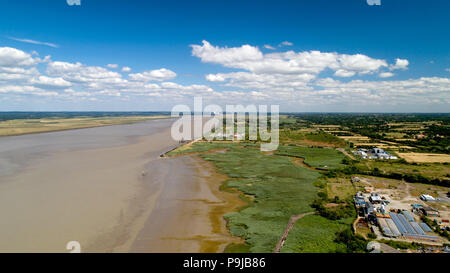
[[108, 189], [188, 216]]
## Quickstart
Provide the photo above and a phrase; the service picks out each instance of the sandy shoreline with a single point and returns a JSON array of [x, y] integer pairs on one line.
[[190, 219], [112, 196]]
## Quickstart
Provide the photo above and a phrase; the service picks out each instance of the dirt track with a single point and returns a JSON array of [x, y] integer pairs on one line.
[[290, 225], [345, 153]]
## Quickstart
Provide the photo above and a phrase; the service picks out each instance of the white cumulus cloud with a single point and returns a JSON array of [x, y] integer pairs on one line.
[[291, 79], [399, 64], [126, 69], [78, 72], [250, 58], [344, 73], [386, 75], [154, 75], [229, 57], [11, 57], [49, 81]]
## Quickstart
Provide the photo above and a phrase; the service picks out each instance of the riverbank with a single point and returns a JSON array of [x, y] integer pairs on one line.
[[17, 127], [109, 189], [190, 218]]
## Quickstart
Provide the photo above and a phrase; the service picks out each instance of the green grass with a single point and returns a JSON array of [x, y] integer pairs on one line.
[[322, 158], [317, 138], [237, 248], [279, 189], [402, 245], [315, 234], [429, 170], [198, 148], [342, 187]]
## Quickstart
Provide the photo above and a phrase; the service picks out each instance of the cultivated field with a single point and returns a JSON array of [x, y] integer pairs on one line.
[[310, 137], [425, 157]]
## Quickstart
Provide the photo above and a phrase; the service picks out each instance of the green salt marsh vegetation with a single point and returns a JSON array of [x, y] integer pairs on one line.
[[275, 189]]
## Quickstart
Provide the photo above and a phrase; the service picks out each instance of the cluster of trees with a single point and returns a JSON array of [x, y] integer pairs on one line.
[[366, 119], [345, 209], [432, 144], [342, 209], [411, 178], [402, 245], [435, 130], [435, 226], [291, 123], [376, 126], [351, 169], [353, 242]]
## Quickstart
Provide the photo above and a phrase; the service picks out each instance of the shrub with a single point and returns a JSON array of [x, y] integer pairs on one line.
[[354, 243]]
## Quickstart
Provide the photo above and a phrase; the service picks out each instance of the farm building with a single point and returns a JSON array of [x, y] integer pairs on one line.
[[426, 197], [369, 208], [359, 199], [377, 151], [375, 198]]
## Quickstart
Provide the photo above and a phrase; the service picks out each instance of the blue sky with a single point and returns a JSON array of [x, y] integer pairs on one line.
[[338, 55]]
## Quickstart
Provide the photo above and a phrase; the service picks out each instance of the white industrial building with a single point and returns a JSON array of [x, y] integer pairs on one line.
[[426, 197]]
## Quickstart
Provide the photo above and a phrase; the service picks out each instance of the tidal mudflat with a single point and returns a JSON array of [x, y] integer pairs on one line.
[[108, 189]]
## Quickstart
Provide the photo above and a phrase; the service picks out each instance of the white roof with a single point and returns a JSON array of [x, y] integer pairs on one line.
[[375, 198], [426, 196]]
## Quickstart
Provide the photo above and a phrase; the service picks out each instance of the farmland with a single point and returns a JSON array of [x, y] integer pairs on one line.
[[401, 132], [425, 157], [424, 171]]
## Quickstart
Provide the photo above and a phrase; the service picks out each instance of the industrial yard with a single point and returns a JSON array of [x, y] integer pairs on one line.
[[374, 153], [393, 212]]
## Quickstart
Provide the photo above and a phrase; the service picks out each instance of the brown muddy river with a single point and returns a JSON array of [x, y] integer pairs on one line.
[[107, 189]]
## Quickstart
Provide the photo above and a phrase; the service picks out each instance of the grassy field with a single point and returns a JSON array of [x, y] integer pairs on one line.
[[275, 189], [418, 189], [342, 187], [201, 147], [29, 126], [310, 138], [429, 170], [316, 234], [322, 158]]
